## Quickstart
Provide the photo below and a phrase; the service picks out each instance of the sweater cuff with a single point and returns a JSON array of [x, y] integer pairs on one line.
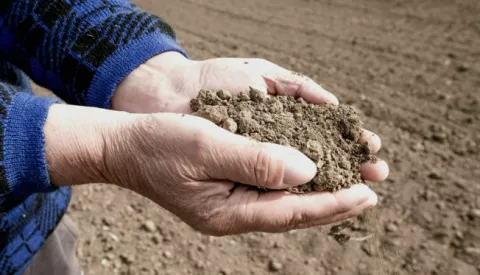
[[123, 62], [25, 164]]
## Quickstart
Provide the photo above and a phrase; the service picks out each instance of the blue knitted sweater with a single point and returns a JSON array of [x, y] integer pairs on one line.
[[81, 50]]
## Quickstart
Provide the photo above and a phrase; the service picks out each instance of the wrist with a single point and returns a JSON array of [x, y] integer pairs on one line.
[[166, 62], [75, 142], [138, 92]]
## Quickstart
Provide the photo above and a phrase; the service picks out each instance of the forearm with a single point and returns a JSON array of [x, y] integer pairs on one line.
[[81, 50]]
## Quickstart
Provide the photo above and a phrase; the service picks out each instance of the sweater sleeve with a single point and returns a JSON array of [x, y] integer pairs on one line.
[[23, 168], [81, 50]]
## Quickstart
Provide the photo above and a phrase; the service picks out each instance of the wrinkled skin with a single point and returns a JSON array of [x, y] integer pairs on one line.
[[191, 167]]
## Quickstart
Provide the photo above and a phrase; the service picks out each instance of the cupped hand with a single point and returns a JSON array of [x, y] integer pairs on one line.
[[167, 83], [207, 176]]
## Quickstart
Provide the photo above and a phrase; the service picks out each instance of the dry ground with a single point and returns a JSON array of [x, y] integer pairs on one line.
[[413, 70]]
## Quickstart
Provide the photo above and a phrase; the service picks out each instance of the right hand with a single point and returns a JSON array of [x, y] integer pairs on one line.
[[190, 166]]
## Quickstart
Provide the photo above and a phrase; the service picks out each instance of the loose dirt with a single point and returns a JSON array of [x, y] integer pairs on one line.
[[327, 134]]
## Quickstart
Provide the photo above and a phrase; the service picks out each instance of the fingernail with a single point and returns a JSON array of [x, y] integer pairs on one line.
[[361, 194], [331, 98], [377, 171], [298, 169], [358, 195], [374, 142]]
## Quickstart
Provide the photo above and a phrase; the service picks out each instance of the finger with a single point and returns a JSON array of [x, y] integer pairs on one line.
[[284, 82], [283, 211], [246, 161], [374, 141], [375, 171], [355, 211]]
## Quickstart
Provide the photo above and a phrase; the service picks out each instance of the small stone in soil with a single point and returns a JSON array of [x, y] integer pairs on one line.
[[199, 264], [108, 221], [113, 237], [201, 247], [391, 227], [156, 239], [127, 259], [275, 266], [434, 175], [474, 213], [167, 254], [149, 226]]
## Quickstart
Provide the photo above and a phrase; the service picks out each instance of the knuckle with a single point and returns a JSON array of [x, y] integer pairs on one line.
[[261, 166], [268, 170], [297, 220]]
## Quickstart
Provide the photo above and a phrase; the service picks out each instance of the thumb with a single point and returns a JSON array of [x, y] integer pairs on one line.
[[266, 165], [281, 81]]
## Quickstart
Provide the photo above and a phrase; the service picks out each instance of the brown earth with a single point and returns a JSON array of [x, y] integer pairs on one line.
[[412, 68], [327, 134]]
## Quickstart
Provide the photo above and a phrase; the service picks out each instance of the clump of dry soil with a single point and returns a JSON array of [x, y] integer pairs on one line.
[[326, 133]]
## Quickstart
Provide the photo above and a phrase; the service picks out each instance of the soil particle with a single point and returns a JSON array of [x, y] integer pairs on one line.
[[230, 125], [149, 226], [156, 239], [167, 254], [199, 264], [327, 134], [216, 114], [474, 213], [127, 259], [462, 68], [435, 175], [438, 133], [391, 227], [108, 221], [275, 266], [114, 237]]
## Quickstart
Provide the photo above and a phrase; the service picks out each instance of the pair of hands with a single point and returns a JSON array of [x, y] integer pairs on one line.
[[189, 165]]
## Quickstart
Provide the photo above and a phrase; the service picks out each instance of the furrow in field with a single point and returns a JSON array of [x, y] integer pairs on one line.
[[370, 28], [341, 53]]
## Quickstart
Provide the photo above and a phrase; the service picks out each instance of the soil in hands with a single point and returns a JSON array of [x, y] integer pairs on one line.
[[326, 133]]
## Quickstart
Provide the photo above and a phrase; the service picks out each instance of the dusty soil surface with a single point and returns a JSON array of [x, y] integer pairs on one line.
[[412, 69], [327, 134]]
